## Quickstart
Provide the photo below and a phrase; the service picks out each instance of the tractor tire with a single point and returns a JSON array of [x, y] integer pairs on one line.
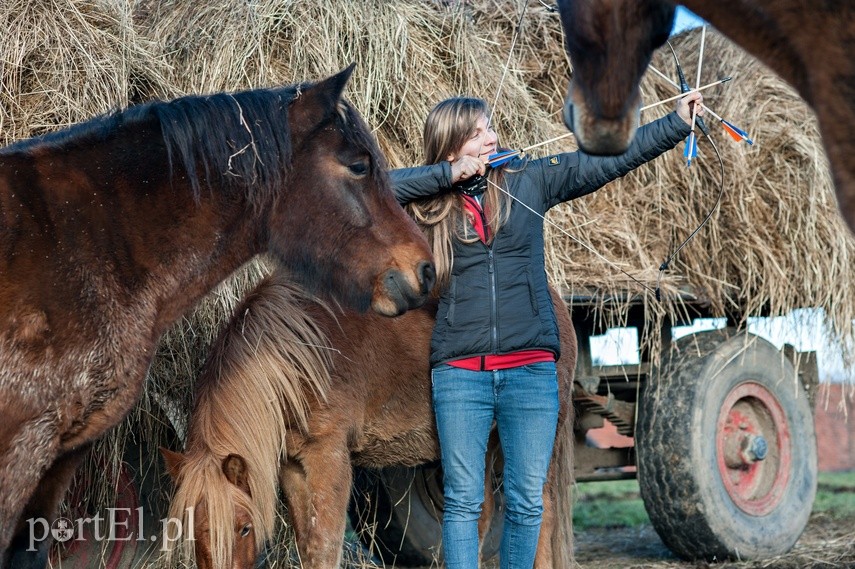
[[397, 513], [726, 449]]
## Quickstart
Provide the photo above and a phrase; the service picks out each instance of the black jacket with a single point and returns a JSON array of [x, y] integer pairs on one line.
[[497, 301]]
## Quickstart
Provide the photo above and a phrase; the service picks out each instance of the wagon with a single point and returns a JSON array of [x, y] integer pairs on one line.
[[722, 445]]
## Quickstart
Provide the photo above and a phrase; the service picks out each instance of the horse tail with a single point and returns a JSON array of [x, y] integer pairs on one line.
[[562, 535], [562, 467]]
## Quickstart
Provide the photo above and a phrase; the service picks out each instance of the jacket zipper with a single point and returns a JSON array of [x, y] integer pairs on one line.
[[494, 313], [491, 268]]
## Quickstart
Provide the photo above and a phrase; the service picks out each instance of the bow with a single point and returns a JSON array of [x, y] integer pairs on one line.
[[691, 148]]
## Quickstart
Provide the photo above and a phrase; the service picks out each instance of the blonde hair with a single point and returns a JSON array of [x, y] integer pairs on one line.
[[442, 219]]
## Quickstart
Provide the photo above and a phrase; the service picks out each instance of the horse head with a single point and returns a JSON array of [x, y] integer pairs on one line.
[[610, 43], [345, 231], [215, 500]]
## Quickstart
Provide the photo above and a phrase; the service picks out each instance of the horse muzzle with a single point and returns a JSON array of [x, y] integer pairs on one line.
[[396, 292], [599, 135]]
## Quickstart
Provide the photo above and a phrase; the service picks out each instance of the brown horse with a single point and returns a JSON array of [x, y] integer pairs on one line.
[[274, 406], [808, 44], [111, 230]]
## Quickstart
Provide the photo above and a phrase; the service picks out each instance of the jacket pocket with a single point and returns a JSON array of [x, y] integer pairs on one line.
[[532, 295], [452, 293]]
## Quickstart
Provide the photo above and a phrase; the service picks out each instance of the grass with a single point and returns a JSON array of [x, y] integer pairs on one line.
[[609, 504], [617, 503], [835, 496]]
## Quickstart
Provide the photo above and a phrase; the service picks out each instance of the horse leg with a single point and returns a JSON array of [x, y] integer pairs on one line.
[[487, 508], [40, 513], [543, 557], [317, 486], [27, 449]]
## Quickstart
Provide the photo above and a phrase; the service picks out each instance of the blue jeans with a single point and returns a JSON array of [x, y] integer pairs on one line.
[[523, 401]]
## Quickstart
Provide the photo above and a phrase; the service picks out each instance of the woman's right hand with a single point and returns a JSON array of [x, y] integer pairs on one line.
[[465, 167]]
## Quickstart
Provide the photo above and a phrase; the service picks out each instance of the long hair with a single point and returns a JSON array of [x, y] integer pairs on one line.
[[442, 219]]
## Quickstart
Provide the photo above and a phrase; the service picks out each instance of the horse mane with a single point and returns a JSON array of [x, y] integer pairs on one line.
[[240, 140], [202, 478], [260, 372]]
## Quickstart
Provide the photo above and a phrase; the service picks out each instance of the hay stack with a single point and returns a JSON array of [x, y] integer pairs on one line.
[[765, 249], [767, 246], [775, 243]]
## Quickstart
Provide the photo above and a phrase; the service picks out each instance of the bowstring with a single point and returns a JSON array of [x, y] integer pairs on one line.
[[578, 241], [517, 31], [665, 264]]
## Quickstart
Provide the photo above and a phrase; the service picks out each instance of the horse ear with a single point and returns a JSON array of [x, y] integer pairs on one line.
[[174, 461], [235, 469], [318, 101]]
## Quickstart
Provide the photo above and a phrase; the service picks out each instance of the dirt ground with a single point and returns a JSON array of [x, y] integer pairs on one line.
[[826, 544]]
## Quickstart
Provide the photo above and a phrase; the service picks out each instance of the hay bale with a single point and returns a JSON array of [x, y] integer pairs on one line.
[[63, 62], [775, 243], [765, 248]]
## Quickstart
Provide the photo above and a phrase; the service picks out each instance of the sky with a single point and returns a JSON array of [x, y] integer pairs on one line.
[[803, 328], [684, 20]]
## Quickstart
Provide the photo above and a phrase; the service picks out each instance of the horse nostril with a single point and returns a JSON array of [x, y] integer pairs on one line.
[[427, 276], [568, 115]]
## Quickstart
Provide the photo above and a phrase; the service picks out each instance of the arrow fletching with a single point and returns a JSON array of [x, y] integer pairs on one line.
[[691, 150], [499, 158], [736, 133]]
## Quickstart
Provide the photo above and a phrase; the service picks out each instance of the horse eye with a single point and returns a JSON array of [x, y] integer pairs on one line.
[[244, 531], [359, 168]]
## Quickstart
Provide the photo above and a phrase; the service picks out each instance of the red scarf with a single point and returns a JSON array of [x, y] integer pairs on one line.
[[478, 217]]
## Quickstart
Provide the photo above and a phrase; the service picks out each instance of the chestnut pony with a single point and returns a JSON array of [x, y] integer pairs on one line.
[[809, 44], [112, 229], [293, 395]]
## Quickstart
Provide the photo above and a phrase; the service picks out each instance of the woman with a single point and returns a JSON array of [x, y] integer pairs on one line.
[[495, 341]]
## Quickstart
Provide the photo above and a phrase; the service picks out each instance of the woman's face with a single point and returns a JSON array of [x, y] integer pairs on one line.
[[481, 143]]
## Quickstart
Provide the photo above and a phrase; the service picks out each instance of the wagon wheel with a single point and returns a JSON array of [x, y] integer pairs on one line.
[[140, 501], [398, 515], [726, 449]]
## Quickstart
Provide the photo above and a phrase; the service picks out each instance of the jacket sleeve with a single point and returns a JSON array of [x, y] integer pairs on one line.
[[579, 174], [410, 184]]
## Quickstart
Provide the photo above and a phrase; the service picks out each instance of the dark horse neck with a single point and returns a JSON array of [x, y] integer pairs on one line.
[[112, 200]]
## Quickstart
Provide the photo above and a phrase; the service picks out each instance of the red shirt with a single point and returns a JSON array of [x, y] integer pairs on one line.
[[494, 362]]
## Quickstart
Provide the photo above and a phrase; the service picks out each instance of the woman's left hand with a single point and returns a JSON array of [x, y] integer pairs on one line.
[[686, 105]]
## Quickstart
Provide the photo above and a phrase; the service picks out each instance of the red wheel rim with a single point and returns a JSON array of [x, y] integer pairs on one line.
[[85, 550], [751, 420]]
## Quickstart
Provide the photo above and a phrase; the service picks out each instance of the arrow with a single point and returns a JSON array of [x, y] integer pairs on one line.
[[735, 132], [500, 158]]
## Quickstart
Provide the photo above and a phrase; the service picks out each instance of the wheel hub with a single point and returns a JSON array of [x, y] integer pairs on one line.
[[754, 448]]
